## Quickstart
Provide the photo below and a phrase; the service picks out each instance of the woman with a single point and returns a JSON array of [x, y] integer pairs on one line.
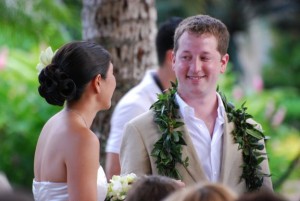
[[66, 163]]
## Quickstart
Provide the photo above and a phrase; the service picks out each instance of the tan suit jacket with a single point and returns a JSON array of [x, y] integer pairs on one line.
[[140, 135]]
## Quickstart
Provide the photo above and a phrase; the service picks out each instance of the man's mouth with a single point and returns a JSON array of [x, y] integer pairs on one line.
[[196, 77]]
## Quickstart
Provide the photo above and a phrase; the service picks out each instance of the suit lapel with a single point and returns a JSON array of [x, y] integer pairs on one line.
[[230, 158], [194, 169]]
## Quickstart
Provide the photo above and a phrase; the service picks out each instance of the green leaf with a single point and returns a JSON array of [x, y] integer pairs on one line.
[[260, 159], [155, 152], [176, 136], [178, 124], [246, 152], [255, 133]]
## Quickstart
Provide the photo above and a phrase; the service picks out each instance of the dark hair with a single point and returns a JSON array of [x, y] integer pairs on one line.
[[73, 66], [151, 188], [165, 37], [204, 24]]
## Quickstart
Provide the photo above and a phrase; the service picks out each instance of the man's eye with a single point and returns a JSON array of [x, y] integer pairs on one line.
[[185, 57], [205, 59]]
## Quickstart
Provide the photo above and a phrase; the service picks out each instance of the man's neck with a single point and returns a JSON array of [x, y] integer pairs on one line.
[[204, 106]]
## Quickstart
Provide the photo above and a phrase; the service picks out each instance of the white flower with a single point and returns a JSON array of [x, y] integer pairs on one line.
[[116, 185], [45, 58], [119, 186]]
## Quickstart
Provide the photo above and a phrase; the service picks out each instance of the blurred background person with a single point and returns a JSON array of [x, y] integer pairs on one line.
[[152, 188], [203, 192]]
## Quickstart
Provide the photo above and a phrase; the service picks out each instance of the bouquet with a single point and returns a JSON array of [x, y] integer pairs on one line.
[[118, 187]]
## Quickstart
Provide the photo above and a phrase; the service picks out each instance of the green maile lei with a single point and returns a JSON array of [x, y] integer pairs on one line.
[[168, 149]]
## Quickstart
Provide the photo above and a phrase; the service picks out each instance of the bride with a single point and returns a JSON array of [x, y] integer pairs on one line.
[[66, 162]]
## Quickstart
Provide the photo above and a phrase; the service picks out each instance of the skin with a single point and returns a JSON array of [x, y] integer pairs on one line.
[[67, 150], [112, 165], [165, 74], [197, 65]]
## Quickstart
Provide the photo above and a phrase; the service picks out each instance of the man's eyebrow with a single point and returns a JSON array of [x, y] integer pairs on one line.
[[186, 51]]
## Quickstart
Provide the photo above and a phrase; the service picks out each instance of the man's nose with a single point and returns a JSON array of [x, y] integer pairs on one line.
[[196, 65]]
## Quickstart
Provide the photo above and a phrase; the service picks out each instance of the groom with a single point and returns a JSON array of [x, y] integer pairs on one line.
[[208, 144]]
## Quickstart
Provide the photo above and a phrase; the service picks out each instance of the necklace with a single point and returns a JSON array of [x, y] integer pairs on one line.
[[78, 114]]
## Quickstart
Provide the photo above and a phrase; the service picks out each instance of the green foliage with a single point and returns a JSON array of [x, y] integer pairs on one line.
[[25, 23], [281, 75], [167, 8], [23, 113], [284, 69], [168, 149]]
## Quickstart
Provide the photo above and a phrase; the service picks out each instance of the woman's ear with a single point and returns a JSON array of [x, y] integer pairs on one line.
[[97, 83]]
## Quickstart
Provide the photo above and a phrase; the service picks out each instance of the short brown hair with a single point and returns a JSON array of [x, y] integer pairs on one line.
[[203, 192], [152, 188], [204, 24]]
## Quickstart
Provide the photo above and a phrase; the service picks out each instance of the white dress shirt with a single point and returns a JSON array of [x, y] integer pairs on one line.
[[208, 148]]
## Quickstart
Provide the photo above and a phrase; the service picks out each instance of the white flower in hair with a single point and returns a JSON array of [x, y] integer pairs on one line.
[[45, 58]]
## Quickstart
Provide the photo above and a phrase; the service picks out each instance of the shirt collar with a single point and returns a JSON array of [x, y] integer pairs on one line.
[[186, 110], [221, 109]]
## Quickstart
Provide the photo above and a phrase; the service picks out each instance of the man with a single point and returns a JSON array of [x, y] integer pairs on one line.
[[139, 99], [206, 149]]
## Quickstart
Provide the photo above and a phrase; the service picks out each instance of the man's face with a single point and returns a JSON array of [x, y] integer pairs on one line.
[[197, 64]]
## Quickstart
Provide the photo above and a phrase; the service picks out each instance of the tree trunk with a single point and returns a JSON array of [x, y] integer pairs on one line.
[[127, 29]]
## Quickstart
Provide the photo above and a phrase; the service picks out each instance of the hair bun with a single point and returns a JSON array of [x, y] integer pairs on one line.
[[55, 85]]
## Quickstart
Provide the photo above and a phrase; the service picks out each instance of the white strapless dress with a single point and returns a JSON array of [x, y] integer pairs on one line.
[[52, 191]]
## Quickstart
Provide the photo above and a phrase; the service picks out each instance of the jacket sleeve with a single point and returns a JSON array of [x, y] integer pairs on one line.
[[267, 184]]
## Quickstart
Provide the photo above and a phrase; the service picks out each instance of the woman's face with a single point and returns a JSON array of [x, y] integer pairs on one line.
[[108, 86]]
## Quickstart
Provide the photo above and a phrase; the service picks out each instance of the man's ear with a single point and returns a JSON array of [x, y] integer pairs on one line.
[[224, 62], [97, 83], [168, 58]]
